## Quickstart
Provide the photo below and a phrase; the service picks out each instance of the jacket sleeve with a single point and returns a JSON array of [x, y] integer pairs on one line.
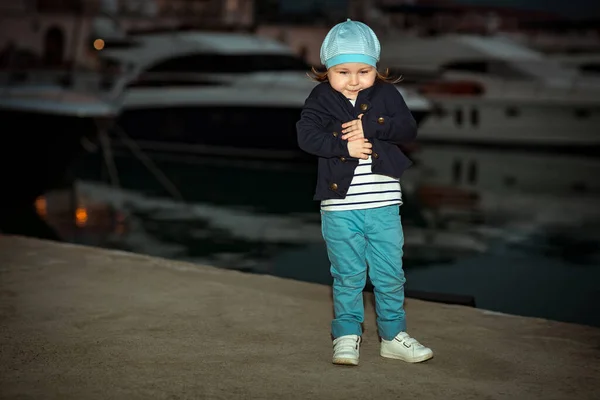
[[399, 127], [313, 137]]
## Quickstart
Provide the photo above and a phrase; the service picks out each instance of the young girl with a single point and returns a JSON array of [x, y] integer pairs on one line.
[[354, 121]]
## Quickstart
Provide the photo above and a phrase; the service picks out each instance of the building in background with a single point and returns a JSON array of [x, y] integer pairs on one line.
[[64, 33]]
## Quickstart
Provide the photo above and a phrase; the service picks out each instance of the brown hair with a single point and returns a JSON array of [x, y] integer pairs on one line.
[[320, 75]]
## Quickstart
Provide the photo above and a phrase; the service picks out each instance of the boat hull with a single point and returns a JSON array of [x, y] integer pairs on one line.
[[263, 134]]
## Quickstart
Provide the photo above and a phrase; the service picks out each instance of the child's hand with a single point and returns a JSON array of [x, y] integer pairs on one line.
[[353, 130], [360, 148]]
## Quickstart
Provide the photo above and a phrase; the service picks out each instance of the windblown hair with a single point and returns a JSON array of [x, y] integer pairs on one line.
[[320, 75]]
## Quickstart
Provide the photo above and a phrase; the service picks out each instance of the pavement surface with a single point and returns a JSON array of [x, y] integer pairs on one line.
[[86, 323]]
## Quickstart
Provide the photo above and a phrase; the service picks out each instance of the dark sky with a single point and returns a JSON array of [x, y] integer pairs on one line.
[[568, 8]]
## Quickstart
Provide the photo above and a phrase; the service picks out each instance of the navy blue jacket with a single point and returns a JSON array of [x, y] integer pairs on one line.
[[387, 123]]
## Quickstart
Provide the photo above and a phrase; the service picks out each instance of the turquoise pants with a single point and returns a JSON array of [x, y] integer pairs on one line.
[[359, 241]]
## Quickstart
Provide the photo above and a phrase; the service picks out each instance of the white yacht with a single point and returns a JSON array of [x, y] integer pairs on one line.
[[215, 94], [505, 118], [493, 90]]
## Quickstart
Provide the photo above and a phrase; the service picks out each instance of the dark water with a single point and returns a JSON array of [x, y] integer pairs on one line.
[[512, 251]]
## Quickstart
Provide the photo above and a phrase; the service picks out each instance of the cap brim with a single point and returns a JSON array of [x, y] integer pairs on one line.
[[351, 58]]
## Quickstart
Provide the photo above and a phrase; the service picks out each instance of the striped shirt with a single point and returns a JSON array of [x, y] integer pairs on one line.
[[367, 190]]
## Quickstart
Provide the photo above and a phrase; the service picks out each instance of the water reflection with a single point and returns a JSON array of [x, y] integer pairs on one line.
[[533, 252]]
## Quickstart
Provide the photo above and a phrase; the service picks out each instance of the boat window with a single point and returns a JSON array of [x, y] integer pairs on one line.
[[231, 63], [590, 68], [439, 111], [467, 66], [456, 171], [472, 172], [411, 75], [458, 116], [582, 113], [512, 112], [474, 116]]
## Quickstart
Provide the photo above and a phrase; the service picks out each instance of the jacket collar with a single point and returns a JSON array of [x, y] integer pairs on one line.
[[367, 94], [363, 94]]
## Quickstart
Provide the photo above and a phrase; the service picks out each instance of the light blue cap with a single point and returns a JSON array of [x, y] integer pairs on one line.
[[350, 41]]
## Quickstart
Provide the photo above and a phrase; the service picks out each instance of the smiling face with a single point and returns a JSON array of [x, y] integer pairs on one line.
[[351, 78]]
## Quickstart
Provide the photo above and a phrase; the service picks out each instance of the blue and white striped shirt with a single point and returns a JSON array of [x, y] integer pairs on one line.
[[367, 190]]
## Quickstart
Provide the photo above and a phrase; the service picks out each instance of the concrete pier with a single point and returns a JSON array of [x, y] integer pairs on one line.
[[86, 323]]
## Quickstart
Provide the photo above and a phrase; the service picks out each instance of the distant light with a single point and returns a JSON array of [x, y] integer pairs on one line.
[[41, 206], [81, 217], [98, 44]]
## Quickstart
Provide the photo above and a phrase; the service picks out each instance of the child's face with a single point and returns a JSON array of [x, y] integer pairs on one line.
[[351, 78]]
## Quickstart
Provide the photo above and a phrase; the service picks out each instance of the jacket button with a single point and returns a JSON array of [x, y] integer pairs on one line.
[[333, 186], [375, 155], [364, 107], [380, 120], [335, 134], [343, 159]]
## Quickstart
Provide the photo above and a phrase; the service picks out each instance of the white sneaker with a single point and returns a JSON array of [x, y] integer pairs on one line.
[[346, 349], [405, 348]]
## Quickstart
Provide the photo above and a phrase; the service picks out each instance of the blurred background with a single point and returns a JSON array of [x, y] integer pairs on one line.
[[167, 128]]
